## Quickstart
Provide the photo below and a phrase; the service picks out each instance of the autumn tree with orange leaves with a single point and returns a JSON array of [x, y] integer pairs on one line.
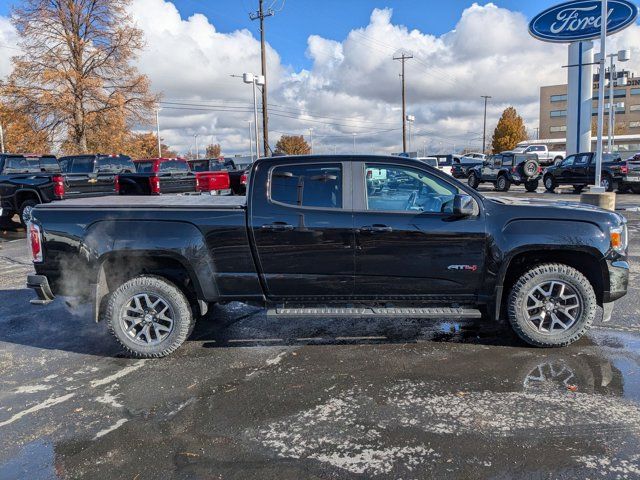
[[20, 133], [76, 71]]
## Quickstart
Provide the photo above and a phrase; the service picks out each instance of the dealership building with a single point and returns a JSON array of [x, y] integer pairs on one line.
[[553, 113]]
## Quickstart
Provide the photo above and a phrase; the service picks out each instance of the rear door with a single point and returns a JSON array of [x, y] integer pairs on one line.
[[408, 244], [302, 224], [175, 177], [80, 175]]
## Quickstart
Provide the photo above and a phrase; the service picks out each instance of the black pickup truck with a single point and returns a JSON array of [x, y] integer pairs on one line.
[[580, 170], [311, 239], [93, 175], [27, 180]]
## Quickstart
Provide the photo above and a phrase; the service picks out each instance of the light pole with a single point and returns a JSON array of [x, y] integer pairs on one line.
[[622, 56], [195, 140], [484, 127], [158, 132], [311, 139], [354, 142], [255, 80], [250, 140], [410, 120], [603, 57]]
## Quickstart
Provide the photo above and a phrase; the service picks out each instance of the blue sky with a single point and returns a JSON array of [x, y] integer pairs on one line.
[[289, 29]]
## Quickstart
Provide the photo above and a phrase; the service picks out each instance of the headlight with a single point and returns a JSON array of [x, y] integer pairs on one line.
[[619, 239]]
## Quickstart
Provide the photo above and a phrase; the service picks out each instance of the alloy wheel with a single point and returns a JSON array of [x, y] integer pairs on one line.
[[552, 307], [147, 319]]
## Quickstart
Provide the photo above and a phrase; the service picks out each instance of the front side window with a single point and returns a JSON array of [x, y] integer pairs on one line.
[[318, 186], [568, 162], [392, 188], [581, 160]]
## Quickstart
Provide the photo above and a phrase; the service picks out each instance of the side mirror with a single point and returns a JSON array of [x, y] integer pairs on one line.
[[463, 205]]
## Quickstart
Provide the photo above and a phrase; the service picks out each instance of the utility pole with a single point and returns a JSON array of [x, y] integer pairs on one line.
[[484, 128], [1, 139], [601, 87], [311, 139], [261, 15], [403, 58], [158, 133], [195, 138], [251, 140]]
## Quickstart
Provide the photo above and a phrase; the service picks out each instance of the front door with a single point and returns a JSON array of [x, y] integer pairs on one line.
[[302, 224], [490, 169], [580, 169], [409, 246]]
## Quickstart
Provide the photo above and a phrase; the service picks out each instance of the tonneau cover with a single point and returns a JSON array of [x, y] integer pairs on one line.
[[151, 201]]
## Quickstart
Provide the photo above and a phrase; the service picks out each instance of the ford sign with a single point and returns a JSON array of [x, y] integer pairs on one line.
[[581, 20]]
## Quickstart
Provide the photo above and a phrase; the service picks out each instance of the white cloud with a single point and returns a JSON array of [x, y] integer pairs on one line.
[[352, 85], [8, 46]]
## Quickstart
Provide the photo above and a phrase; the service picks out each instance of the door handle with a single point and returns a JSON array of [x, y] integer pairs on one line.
[[278, 227], [376, 229]]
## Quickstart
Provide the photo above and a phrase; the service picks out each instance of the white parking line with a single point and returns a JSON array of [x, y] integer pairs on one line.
[[118, 374], [50, 402]]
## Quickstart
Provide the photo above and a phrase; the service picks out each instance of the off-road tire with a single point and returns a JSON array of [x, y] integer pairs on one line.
[[29, 203], [473, 181], [531, 186], [578, 188], [183, 321], [502, 183], [548, 272], [549, 183]]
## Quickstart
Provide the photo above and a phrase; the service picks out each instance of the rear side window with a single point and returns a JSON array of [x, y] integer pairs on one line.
[[81, 165], [318, 186], [174, 166], [21, 165], [144, 167]]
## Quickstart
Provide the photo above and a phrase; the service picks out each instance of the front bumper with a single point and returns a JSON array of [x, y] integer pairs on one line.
[[40, 284]]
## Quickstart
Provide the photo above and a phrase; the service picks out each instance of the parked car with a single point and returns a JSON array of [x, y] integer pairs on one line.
[[580, 170], [309, 241], [545, 156], [93, 175], [461, 168], [212, 175], [505, 169], [26, 181], [443, 162], [158, 175]]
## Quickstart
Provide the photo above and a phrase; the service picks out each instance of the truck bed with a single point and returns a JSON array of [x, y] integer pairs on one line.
[[156, 201]]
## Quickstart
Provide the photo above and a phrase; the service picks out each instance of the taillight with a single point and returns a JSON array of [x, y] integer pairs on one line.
[[539, 169], [154, 185], [58, 186], [198, 182], [624, 169], [243, 179], [35, 240], [116, 183], [514, 169]]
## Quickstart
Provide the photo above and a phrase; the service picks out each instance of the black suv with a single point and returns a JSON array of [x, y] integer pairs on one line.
[[28, 180], [505, 169]]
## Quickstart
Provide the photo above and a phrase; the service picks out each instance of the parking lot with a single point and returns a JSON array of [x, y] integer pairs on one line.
[[250, 396]]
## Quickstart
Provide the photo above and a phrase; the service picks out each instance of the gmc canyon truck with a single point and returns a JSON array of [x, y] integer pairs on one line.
[[311, 239]]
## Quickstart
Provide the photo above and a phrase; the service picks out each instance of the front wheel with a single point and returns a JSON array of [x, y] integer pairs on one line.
[[549, 183], [552, 305], [531, 186], [473, 180], [607, 183], [149, 316]]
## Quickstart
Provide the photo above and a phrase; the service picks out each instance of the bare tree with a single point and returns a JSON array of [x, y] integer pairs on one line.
[[76, 66]]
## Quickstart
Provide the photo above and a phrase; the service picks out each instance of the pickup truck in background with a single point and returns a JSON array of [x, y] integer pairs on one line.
[[212, 175], [93, 175], [545, 156], [461, 168], [580, 170], [238, 173], [28, 180], [158, 175], [310, 239]]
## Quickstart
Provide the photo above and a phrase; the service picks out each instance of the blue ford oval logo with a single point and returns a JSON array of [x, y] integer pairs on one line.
[[581, 20]]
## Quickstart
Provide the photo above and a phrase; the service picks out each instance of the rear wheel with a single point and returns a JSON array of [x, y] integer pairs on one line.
[[503, 184], [149, 316], [531, 185], [607, 183], [552, 305], [549, 183], [473, 180], [25, 210]]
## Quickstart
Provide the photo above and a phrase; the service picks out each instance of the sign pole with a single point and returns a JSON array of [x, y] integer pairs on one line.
[[603, 58]]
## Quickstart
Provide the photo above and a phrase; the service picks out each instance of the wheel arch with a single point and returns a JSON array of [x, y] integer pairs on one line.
[[586, 260], [24, 194]]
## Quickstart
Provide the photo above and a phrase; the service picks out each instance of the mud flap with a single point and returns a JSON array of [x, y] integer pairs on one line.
[[98, 292], [607, 310]]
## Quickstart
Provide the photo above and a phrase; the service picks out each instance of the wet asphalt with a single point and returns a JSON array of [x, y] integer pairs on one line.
[[252, 397]]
